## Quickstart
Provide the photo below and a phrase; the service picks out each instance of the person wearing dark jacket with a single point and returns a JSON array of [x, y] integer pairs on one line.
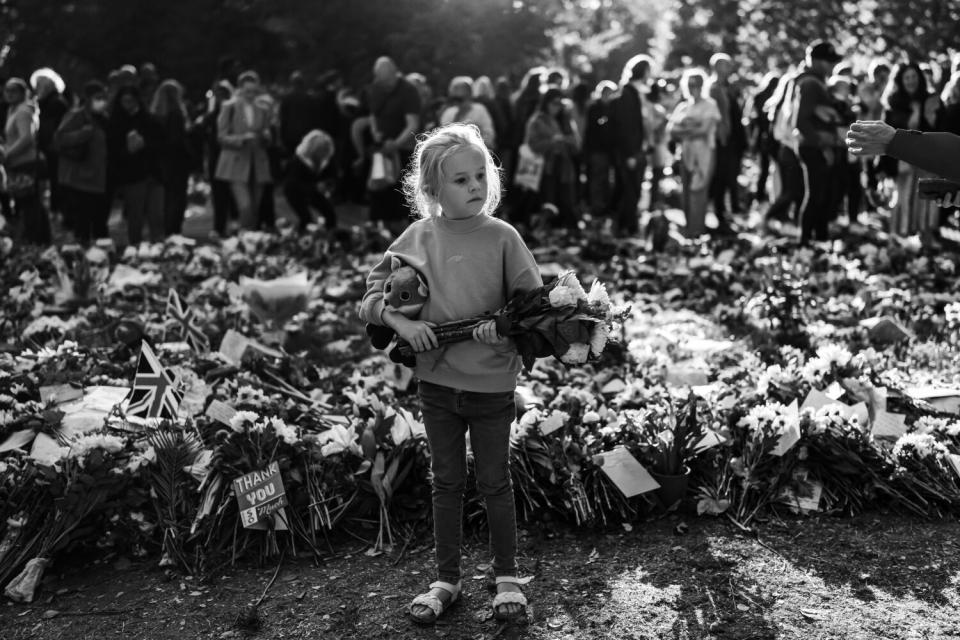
[[82, 141], [175, 155], [627, 118], [731, 141], [301, 184], [598, 143], [816, 123], [134, 141]]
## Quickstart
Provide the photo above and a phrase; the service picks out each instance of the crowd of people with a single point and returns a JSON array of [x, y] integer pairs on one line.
[[571, 147]]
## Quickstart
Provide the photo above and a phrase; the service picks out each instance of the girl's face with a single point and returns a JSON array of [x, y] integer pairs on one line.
[[463, 186], [695, 87], [911, 81], [554, 107]]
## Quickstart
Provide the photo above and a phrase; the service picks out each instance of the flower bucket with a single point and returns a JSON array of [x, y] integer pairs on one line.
[[672, 488]]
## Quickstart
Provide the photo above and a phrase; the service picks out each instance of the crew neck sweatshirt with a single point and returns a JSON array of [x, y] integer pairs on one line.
[[472, 266]]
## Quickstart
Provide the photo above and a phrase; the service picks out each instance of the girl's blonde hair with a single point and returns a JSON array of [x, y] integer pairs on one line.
[[421, 184], [316, 149]]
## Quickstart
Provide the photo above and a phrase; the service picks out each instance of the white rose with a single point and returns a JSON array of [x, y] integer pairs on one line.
[[561, 296]]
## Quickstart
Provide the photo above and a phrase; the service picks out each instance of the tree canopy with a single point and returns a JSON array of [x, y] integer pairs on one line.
[[442, 38]]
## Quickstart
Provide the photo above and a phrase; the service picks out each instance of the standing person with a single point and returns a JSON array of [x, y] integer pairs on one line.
[[301, 184], [149, 81], [845, 178], [134, 141], [394, 121], [267, 213], [507, 149], [655, 124], [82, 141], [243, 131], [949, 120], [224, 208], [49, 88], [485, 94], [463, 108], [175, 156], [630, 138], [546, 136], [816, 124], [524, 104], [598, 144], [454, 188], [910, 105], [694, 123], [781, 111], [760, 134], [731, 141], [20, 157]]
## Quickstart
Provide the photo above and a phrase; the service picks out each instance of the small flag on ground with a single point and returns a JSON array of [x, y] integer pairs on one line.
[[183, 314], [154, 393]]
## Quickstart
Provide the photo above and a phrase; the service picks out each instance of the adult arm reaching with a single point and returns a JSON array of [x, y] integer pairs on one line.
[[936, 152]]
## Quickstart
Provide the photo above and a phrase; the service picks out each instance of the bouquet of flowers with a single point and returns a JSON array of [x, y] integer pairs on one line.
[[560, 319]]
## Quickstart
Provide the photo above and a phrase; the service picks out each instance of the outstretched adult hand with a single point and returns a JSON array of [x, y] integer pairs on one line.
[[869, 137]]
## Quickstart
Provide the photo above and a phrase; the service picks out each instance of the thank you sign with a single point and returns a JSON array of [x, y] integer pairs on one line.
[[260, 494]]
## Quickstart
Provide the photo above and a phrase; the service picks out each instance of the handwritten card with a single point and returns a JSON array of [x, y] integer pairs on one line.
[[817, 400], [553, 422], [626, 473]]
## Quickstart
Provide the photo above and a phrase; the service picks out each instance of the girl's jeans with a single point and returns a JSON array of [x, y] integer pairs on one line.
[[447, 414]]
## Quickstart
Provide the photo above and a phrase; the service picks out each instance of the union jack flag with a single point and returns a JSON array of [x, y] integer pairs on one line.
[[189, 330], [154, 393]]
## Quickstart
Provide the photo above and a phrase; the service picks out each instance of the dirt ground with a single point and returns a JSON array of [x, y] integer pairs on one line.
[[876, 576]]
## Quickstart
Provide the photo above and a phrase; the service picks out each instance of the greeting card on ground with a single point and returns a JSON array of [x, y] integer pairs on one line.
[[626, 472], [60, 393], [260, 495]]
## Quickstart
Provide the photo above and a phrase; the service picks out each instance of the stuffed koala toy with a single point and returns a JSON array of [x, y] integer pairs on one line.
[[404, 291]]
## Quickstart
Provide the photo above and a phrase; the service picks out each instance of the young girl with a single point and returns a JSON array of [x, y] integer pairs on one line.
[[473, 263]]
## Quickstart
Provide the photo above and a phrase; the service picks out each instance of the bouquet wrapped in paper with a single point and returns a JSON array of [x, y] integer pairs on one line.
[[560, 319]]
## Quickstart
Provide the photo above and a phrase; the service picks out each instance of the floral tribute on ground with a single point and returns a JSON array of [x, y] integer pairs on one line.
[[772, 380]]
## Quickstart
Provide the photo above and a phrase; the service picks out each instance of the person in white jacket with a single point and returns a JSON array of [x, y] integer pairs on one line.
[[463, 109]]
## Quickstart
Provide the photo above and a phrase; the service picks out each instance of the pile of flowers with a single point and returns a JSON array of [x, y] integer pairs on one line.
[[705, 357]]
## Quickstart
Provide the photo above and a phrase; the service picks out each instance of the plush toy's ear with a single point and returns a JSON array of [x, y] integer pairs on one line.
[[395, 263], [422, 289]]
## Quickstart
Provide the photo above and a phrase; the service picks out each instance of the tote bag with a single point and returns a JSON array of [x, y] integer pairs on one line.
[[529, 169]]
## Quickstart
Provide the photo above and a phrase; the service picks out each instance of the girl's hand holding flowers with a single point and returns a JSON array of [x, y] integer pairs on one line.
[[486, 332], [418, 333]]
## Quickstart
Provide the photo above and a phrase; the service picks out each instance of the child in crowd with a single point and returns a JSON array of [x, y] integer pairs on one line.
[[473, 263]]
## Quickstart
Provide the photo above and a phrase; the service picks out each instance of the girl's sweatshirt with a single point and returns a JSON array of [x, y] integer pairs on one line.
[[472, 266]]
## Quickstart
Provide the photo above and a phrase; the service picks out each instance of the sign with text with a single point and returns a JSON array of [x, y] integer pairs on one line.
[[261, 494]]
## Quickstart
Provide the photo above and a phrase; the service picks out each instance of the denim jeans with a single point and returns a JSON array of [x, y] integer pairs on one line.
[[447, 414]]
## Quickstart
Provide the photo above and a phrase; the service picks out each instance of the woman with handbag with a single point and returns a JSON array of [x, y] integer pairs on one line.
[[81, 142], [547, 137], [243, 130], [20, 160]]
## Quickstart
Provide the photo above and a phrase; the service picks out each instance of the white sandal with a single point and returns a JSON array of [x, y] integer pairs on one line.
[[434, 603], [509, 597]]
